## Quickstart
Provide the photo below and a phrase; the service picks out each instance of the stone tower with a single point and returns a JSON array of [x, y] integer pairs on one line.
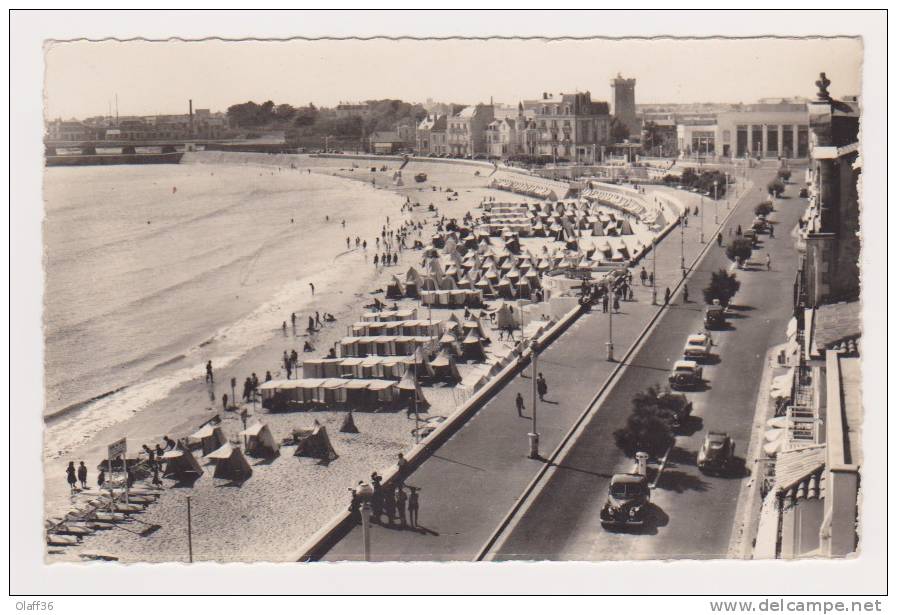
[[624, 103]]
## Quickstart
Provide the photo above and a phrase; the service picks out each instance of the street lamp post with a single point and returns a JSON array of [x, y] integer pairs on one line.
[[610, 331], [682, 243], [716, 202], [365, 492], [702, 217], [534, 434], [654, 270]]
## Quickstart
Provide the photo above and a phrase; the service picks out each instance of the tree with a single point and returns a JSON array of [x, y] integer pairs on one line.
[[763, 209], [740, 247], [284, 112], [619, 131], [644, 432], [722, 287], [652, 135], [784, 174], [776, 187]]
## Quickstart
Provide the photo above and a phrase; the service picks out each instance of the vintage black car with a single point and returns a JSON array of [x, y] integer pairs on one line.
[[715, 316], [717, 453], [627, 499], [686, 375]]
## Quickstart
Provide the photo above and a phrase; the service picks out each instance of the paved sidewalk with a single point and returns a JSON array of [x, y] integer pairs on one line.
[[471, 482]]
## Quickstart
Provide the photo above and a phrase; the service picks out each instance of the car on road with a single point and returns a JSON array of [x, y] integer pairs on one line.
[[686, 375], [804, 193], [627, 499], [697, 347], [717, 453], [715, 316]]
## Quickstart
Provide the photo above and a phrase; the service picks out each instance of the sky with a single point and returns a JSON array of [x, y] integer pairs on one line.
[[82, 78]]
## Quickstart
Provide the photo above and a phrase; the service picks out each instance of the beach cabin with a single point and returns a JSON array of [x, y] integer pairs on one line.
[[260, 442], [208, 438]]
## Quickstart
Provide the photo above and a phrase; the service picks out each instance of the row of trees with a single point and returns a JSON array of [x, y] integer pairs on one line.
[[651, 427], [703, 180], [311, 122]]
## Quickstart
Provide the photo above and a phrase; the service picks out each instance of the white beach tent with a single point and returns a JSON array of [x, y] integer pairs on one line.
[[260, 442]]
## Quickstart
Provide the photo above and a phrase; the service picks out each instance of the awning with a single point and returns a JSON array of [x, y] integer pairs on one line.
[[223, 452]]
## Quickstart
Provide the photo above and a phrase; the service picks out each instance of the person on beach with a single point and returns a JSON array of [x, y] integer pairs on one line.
[[541, 387], [401, 500], [255, 383], [284, 327], [518, 401], [101, 478], [376, 257], [82, 475], [170, 444], [364, 244], [286, 364], [210, 377], [318, 319], [70, 476], [156, 480], [402, 465], [268, 376], [311, 324], [312, 286], [293, 319], [389, 506], [413, 506], [247, 389], [376, 498], [159, 454], [294, 359]]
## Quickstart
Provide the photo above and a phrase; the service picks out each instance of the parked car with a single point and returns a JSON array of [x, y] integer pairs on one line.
[[752, 235], [697, 347], [686, 375], [804, 193], [717, 453], [627, 499], [715, 316]]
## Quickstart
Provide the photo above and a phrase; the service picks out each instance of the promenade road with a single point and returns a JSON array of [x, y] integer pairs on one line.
[[475, 478], [692, 515]]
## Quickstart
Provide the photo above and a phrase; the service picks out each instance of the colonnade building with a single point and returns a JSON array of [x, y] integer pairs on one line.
[[765, 130]]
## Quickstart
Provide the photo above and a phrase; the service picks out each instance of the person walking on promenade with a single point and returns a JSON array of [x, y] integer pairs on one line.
[[401, 500], [402, 466], [413, 506], [82, 475], [685, 293], [541, 387], [389, 505], [255, 384], [768, 262], [719, 240], [651, 278], [666, 296], [772, 231], [518, 401], [70, 476], [616, 303], [210, 377], [224, 402], [605, 302], [738, 231], [643, 275], [312, 286]]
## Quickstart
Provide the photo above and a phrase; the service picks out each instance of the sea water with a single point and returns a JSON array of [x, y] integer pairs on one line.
[[151, 270]]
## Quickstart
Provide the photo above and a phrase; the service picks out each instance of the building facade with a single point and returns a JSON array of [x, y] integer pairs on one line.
[[569, 128], [466, 130], [830, 235]]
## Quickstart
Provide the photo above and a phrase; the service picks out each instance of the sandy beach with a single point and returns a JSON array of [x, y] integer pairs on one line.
[[270, 516]]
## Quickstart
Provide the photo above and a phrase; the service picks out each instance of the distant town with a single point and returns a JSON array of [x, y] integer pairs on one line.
[[549, 129]]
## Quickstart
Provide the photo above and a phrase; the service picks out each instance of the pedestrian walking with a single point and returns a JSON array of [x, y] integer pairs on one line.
[[685, 293], [82, 475], [348, 241], [413, 506], [293, 319], [738, 231], [210, 377], [389, 505], [376, 258], [311, 324], [284, 327], [224, 401], [519, 403], [268, 377], [666, 296], [376, 498], [318, 319], [643, 275], [401, 500], [768, 262], [247, 389], [70, 476], [772, 231], [312, 286], [651, 278], [616, 303], [605, 302], [402, 466], [541, 387], [719, 239]]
